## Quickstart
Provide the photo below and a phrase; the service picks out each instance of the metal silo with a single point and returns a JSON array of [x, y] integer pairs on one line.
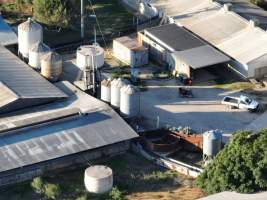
[[51, 66], [36, 53], [129, 101], [89, 56], [106, 90], [116, 85], [212, 143], [29, 33]]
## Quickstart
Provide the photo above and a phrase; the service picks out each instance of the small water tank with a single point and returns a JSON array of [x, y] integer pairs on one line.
[[129, 101], [116, 86], [90, 55], [51, 66], [106, 90], [98, 179], [29, 33], [36, 53], [212, 142]]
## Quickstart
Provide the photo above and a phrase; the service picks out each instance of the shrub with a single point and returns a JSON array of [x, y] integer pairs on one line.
[[241, 166], [38, 185], [51, 191]]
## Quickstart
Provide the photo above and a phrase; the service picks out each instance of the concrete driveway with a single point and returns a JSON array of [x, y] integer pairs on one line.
[[201, 113]]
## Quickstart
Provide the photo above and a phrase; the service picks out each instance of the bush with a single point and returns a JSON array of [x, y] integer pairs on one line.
[[116, 194], [241, 166], [38, 185], [51, 191]]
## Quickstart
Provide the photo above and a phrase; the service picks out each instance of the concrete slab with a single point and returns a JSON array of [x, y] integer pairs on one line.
[[236, 196]]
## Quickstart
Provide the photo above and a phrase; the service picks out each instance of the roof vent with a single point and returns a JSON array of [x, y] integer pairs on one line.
[[227, 7], [253, 23]]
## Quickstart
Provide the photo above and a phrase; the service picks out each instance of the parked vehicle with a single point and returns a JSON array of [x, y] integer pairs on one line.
[[185, 92], [242, 102]]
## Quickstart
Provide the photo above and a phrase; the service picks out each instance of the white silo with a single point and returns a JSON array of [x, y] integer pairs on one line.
[[116, 86], [106, 90], [51, 66], [89, 56], [129, 101], [212, 143], [36, 53], [29, 33], [98, 179]]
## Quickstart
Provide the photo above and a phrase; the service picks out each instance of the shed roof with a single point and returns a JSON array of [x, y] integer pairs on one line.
[[175, 37], [21, 86], [97, 126], [201, 56], [7, 35]]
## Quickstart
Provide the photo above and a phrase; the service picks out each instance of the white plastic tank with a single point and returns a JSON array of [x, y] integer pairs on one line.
[[106, 90], [36, 53], [29, 33], [90, 55], [212, 142], [116, 86], [98, 179], [129, 101], [51, 66]]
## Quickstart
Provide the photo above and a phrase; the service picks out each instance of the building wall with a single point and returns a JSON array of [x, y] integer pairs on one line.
[[258, 67], [52, 166]]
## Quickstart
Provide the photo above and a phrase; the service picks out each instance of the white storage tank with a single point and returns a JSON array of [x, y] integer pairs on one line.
[[90, 55], [116, 86], [98, 179], [212, 143], [129, 101], [36, 53], [29, 33], [51, 66], [106, 90]]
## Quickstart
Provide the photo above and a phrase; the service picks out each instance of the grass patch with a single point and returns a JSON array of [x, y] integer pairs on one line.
[[236, 86]]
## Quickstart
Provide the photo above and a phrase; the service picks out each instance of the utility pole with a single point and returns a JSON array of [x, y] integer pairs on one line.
[[82, 20]]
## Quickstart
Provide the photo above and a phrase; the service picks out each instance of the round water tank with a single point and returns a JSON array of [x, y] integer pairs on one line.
[[116, 86], [212, 142], [98, 179], [106, 90], [36, 53], [89, 56], [29, 33], [51, 66], [129, 101]]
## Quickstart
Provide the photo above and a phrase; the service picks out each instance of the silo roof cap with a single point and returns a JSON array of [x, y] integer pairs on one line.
[[106, 82], [129, 89], [29, 25], [98, 171], [52, 56], [39, 47], [118, 82]]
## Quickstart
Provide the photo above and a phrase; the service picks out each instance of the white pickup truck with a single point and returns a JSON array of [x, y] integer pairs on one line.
[[242, 102]]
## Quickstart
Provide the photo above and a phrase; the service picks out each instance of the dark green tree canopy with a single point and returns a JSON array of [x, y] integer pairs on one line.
[[241, 166]]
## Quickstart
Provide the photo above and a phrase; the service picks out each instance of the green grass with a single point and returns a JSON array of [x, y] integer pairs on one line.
[[236, 86]]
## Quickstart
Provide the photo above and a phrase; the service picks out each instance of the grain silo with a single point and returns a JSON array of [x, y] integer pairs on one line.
[[51, 66], [106, 90], [212, 143], [98, 179], [129, 101], [116, 86], [89, 56], [36, 53], [29, 33]]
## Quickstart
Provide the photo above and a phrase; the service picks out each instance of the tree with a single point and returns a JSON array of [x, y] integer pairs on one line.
[[241, 166], [51, 191], [51, 12]]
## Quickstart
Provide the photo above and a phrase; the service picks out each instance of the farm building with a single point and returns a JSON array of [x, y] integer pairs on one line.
[[130, 52], [237, 28], [51, 126], [179, 49]]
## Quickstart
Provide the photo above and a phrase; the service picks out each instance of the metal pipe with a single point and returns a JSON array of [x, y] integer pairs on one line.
[[82, 20]]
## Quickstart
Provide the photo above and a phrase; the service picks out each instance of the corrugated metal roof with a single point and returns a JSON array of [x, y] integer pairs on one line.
[[24, 82], [175, 37], [97, 127], [229, 31], [7, 35], [201, 56]]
